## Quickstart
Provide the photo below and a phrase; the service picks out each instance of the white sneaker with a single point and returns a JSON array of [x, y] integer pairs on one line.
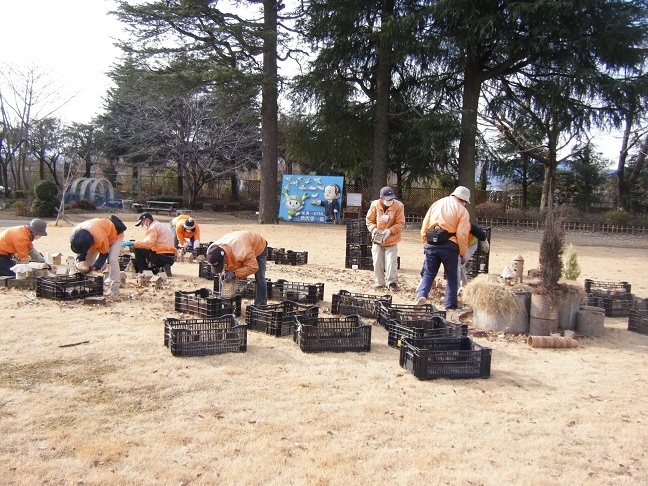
[[420, 301]]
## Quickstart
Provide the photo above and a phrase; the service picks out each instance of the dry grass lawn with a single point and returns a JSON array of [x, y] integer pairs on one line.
[[121, 410]]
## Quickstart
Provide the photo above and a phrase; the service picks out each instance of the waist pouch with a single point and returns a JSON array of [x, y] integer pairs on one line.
[[438, 236], [120, 227]]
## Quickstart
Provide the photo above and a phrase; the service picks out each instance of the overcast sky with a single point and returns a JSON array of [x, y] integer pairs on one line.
[[74, 40]]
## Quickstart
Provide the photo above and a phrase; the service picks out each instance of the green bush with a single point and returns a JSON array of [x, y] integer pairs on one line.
[[43, 208], [616, 217], [571, 269], [45, 190], [18, 195]]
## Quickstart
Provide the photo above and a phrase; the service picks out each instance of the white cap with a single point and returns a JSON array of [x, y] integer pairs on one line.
[[462, 193]]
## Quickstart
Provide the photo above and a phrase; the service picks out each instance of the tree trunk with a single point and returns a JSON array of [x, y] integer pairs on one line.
[[381, 114], [268, 203], [236, 194], [622, 187], [180, 181], [470, 106]]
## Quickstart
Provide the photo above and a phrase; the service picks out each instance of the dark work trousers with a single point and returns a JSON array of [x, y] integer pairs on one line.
[[435, 255], [261, 293], [149, 260], [6, 262]]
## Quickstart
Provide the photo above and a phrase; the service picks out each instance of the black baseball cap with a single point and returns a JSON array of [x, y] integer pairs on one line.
[[215, 256], [142, 217]]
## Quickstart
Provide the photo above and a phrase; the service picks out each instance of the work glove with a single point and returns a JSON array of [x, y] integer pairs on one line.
[[386, 234], [82, 267], [227, 276], [35, 256], [185, 245], [485, 246], [373, 232], [196, 244], [463, 259]]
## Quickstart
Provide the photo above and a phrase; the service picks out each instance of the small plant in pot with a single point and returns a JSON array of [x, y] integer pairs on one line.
[[548, 295]]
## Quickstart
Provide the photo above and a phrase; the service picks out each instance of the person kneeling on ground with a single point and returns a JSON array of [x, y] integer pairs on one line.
[[95, 241], [240, 254], [186, 232], [156, 250], [17, 240]]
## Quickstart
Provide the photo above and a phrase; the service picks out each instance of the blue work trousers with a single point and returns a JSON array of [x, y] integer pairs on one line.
[[435, 255], [261, 293]]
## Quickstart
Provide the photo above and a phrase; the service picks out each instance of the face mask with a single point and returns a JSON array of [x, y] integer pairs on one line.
[[388, 203]]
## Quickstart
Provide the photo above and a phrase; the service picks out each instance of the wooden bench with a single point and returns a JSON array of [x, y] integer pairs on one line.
[[169, 207]]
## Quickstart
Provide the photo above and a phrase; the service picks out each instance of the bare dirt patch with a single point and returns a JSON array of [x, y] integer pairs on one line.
[[121, 410]]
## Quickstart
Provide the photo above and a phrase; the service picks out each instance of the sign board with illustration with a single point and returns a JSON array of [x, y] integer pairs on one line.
[[311, 198]]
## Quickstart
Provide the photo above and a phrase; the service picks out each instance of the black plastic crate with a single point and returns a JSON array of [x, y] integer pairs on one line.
[[618, 306], [69, 287], [445, 357], [291, 257], [638, 321], [274, 251], [336, 334], [405, 312], [310, 293], [277, 319], [200, 337], [356, 226], [202, 249], [345, 302], [363, 263], [124, 260], [480, 259], [246, 287], [358, 250], [205, 270], [599, 287], [205, 303], [435, 326], [358, 239]]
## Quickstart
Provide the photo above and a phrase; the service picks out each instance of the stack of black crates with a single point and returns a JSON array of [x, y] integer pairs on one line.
[[479, 261], [615, 298], [358, 245]]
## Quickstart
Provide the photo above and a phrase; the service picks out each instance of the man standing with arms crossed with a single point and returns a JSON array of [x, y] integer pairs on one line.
[[449, 214]]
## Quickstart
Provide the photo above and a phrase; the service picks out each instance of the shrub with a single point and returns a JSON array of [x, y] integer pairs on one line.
[[571, 268], [535, 215], [43, 208], [21, 208], [86, 205], [516, 214], [569, 214], [18, 194], [45, 190], [616, 217], [489, 210]]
